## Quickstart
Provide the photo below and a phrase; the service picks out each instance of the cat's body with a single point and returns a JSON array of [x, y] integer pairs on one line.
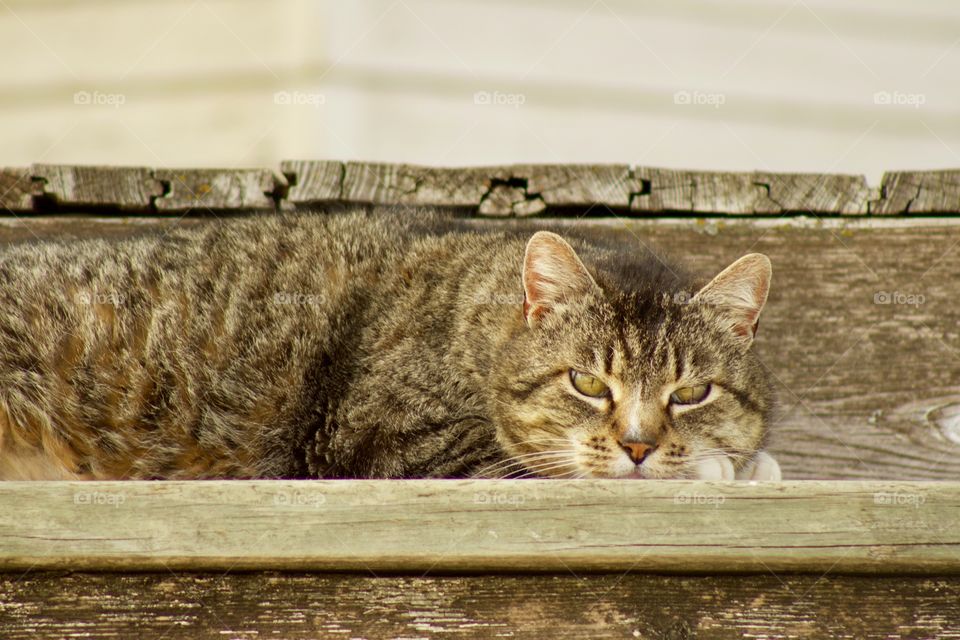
[[354, 345]]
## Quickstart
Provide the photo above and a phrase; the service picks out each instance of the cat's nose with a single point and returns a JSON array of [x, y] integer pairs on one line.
[[638, 451]]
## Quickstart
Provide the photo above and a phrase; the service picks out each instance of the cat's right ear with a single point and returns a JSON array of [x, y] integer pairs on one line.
[[739, 293], [552, 274]]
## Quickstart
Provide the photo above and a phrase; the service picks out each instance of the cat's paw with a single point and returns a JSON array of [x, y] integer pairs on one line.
[[715, 468], [763, 468]]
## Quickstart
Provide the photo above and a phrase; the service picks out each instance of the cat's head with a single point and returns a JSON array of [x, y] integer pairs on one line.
[[607, 381]]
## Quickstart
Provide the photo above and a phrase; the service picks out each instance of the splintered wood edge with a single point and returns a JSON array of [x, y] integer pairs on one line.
[[483, 525], [510, 190]]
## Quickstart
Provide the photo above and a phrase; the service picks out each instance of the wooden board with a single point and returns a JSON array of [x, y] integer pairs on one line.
[[312, 181], [592, 607], [497, 191], [70, 186], [759, 193], [16, 190], [919, 192], [483, 525], [409, 184], [217, 189]]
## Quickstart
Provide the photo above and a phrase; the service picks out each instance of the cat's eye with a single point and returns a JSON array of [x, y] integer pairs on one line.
[[588, 385], [690, 395]]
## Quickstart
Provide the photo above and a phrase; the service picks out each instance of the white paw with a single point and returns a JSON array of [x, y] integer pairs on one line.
[[763, 468], [715, 468]]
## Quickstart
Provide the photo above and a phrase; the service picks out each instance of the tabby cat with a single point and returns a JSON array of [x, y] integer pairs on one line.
[[375, 344]]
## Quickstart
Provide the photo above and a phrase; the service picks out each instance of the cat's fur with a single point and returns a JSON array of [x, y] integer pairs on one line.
[[384, 344]]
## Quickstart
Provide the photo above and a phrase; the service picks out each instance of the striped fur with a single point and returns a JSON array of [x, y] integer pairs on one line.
[[365, 344]]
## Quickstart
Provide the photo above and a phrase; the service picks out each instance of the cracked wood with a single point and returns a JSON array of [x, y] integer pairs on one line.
[[497, 191]]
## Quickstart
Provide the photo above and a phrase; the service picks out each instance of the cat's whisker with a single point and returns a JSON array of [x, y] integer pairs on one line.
[[712, 453], [519, 460], [540, 469], [548, 458], [543, 441], [505, 465]]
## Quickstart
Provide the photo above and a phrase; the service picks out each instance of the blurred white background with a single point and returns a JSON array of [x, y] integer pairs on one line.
[[779, 85]]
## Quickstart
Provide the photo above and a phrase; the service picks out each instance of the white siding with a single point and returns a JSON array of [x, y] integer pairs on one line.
[[785, 86]]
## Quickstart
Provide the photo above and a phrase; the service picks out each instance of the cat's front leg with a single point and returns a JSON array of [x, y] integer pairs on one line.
[[762, 468]]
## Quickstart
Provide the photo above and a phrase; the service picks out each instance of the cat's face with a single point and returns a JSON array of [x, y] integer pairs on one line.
[[610, 384]]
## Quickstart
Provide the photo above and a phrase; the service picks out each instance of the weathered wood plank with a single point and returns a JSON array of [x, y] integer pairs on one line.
[[410, 184], [760, 193], [16, 190], [520, 190], [918, 192], [312, 181], [503, 200], [497, 191], [217, 189], [867, 389], [573, 185], [689, 191], [483, 525], [127, 188], [594, 607], [821, 194]]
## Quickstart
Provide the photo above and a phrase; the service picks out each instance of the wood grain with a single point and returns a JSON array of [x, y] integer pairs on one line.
[[593, 607], [16, 190], [520, 190], [202, 190], [918, 192], [528, 189], [312, 181], [483, 525], [758, 193], [123, 188], [571, 185], [410, 184]]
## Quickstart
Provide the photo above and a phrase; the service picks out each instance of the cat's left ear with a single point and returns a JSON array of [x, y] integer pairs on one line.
[[739, 293], [552, 274]]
